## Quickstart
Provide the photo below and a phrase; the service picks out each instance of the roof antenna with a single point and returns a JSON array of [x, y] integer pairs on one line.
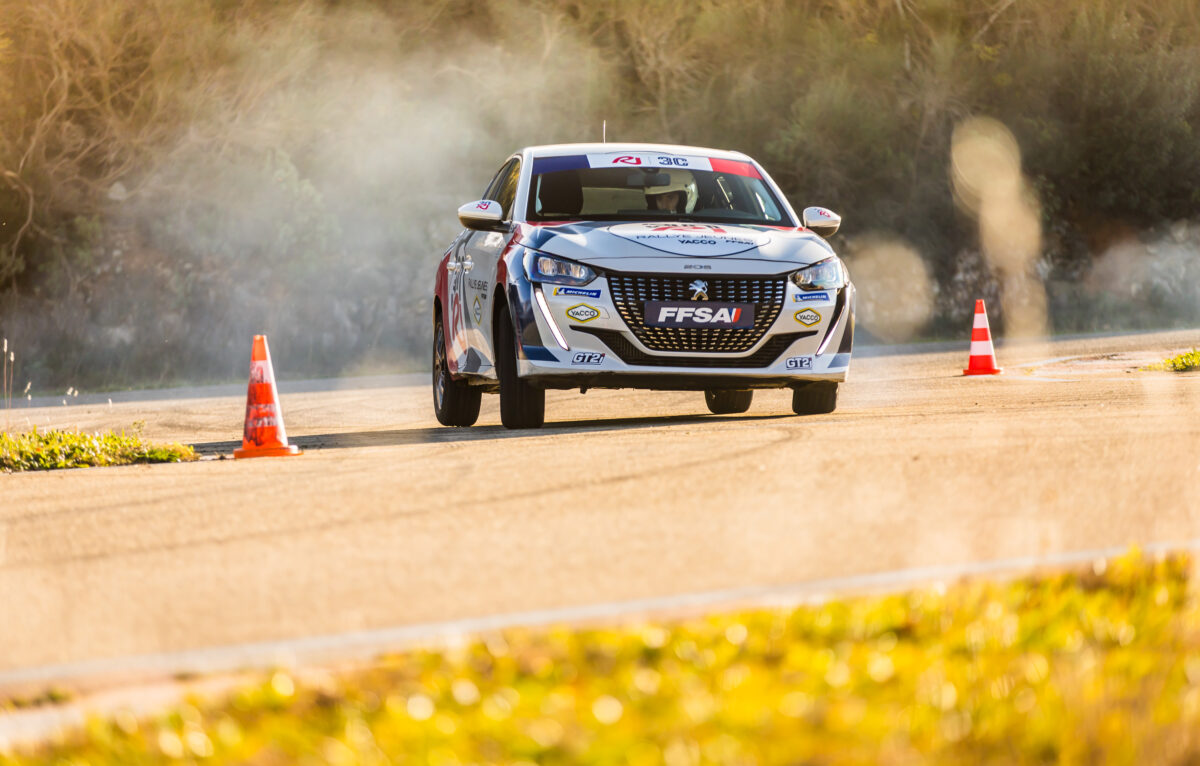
[[604, 131]]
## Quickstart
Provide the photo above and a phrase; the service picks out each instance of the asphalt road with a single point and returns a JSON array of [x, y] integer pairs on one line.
[[389, 520]]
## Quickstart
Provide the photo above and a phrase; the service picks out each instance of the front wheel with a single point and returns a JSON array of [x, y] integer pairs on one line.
[[455, 403], [816, 398], [521, 405], [728, 402]]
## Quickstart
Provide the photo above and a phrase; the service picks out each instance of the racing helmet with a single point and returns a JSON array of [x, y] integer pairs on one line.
[[679, 180]]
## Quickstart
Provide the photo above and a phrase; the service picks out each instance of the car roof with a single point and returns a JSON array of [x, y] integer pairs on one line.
[[558, 150]]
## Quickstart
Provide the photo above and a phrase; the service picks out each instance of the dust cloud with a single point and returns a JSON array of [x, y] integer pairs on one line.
[[312, 199]]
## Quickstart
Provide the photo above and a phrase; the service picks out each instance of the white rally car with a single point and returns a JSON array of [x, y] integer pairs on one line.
[[637, 266]]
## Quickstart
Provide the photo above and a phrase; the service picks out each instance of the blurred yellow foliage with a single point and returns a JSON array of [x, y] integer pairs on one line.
[[1071, 668]]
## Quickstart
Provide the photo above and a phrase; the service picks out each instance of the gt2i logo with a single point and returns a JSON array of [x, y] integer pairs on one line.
[[808, 317], [627, 160], [798, 363], [582, 312], [588, 357]]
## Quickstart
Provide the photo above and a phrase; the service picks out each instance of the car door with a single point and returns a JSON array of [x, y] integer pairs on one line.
[[478, 259]]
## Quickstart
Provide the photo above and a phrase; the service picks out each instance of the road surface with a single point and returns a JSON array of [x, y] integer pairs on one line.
[[389, 520]]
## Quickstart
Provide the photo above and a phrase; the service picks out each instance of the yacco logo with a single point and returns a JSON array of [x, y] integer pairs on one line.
[[627, 160], [799, 363], [582, 312], [703, 315], [810, 297], [587, 357], [577, 291], [808, 317]]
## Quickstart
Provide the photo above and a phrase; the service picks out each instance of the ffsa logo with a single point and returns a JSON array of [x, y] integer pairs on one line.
[[627, 160], [703, 315]]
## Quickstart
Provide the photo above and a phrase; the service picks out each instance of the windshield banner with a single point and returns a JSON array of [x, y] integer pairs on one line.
[[643, 160]]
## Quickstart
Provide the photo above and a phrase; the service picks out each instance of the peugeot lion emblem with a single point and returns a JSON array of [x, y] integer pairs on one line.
[[699, 290]]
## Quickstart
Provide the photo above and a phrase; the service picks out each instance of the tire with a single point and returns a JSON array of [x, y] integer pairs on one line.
[[815, 398], [521, 405], [454, 401], [722, 402]]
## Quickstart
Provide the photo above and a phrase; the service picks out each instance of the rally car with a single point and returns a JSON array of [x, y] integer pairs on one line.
[[637, 266]]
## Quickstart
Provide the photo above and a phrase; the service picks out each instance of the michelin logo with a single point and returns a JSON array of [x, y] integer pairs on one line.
[[577, 291], [809, 297]]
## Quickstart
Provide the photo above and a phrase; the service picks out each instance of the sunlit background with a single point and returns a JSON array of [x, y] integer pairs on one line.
[[176, 176]]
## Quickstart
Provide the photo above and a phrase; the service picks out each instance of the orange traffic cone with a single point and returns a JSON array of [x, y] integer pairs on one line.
[[983, 357], [264, 435]]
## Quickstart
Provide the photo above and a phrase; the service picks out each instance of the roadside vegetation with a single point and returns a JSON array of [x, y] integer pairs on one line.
[[1100, 666], [175, 177], [1185, 362], [37, 450]]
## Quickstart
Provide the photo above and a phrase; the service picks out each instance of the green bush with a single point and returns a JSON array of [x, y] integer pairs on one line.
[[1185, 362], [47, 450]]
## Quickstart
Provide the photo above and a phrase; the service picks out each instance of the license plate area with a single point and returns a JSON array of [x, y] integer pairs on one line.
[[699, 314]]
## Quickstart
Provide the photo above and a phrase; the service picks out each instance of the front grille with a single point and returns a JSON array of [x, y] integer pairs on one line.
[[631, 354], [631, 292]]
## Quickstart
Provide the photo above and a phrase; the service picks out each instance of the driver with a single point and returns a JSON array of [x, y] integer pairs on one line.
[[678, 195]]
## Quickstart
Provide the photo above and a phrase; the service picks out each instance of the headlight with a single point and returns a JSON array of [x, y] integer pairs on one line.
[[828, 274], [557, 271]]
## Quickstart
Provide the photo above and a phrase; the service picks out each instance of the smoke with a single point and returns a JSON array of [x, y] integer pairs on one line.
[[1156, 275], [312, 190]]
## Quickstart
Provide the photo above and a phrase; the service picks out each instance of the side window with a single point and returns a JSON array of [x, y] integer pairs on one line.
[[494, 184], [504, 188]]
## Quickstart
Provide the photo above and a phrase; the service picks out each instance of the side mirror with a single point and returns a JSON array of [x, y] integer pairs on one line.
[[484, 215], [821, 221]]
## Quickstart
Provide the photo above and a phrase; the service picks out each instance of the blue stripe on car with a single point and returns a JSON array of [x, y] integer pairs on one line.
[[553, 164], [539, 354]]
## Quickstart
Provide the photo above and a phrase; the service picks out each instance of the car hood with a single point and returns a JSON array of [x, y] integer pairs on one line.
[[670, 246]]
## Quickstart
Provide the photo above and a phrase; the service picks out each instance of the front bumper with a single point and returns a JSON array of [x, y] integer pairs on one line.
[[587, 343]]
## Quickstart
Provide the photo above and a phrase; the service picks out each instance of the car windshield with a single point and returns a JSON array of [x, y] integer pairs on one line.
[[733, 194]]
